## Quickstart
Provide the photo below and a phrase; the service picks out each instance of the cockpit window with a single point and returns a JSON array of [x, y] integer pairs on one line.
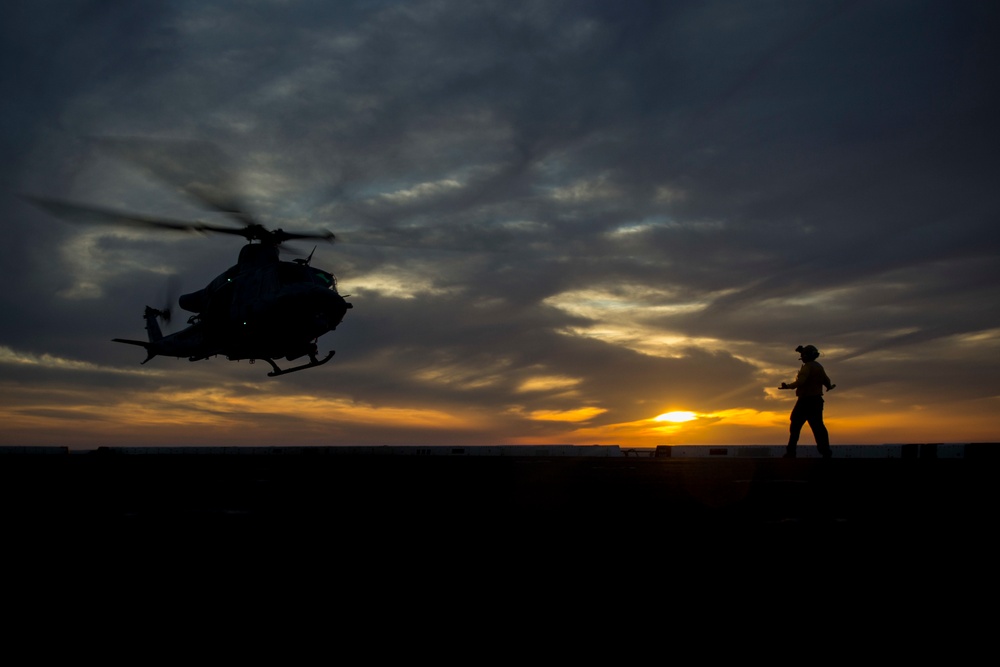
[[289, 273], [323, 278]]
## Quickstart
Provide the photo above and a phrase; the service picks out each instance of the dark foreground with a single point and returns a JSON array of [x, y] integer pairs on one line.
[[626, 509], [375, 532]]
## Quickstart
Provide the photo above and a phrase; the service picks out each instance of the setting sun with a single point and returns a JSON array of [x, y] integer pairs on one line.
[[679, 416]]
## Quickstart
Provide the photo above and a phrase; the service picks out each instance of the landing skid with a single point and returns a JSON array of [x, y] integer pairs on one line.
[[313, 363]]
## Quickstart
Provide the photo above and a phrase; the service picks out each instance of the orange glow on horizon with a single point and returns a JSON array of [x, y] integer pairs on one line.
[[222, 413], [250, 413], [676, 417]]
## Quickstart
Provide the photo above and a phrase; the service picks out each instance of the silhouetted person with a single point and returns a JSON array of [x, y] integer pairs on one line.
[[808, 386]]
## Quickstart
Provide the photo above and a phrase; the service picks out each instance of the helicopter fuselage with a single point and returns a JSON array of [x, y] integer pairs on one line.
[[260, 308]]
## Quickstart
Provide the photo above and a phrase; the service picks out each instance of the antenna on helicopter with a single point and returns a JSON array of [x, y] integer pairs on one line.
[[304, 261]]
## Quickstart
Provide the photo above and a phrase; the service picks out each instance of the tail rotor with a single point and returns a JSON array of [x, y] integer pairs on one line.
[[170, 297]]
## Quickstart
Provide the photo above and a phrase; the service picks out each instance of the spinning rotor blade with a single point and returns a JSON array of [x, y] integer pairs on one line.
[[280, 235], [104, 216], [173, 288], [199, 169]]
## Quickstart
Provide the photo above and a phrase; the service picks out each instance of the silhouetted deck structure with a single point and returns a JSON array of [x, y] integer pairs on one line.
[[745, 490], [255, 531]]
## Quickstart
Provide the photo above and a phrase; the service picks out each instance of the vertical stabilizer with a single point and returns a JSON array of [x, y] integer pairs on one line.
[[152, 328], [152, 325]]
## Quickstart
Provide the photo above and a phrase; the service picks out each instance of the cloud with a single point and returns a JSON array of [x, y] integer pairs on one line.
[[581, 210], [10, 357]]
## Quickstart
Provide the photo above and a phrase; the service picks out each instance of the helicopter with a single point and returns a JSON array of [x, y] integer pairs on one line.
[[261, 308]]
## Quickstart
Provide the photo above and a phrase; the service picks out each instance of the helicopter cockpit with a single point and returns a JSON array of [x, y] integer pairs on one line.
[[289, 274]]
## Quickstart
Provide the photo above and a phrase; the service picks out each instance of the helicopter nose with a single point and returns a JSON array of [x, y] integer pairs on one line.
[[333, 310]]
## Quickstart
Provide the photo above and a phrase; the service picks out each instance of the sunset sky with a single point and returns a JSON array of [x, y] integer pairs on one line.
[[561, 221]]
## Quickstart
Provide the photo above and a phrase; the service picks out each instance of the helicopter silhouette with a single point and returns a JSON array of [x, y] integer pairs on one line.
[[261, 308]]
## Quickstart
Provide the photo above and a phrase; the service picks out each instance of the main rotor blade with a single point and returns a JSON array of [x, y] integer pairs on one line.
[[103, 216], [97, 215], [280, 235], [199, 169]]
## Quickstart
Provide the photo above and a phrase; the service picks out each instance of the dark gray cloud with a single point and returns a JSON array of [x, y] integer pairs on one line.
[[544, 207]]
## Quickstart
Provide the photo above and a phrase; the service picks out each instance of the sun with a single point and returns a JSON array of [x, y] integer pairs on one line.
[[676, 417]]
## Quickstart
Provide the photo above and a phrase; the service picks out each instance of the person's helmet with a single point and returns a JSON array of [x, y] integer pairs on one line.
[[808, 352]]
